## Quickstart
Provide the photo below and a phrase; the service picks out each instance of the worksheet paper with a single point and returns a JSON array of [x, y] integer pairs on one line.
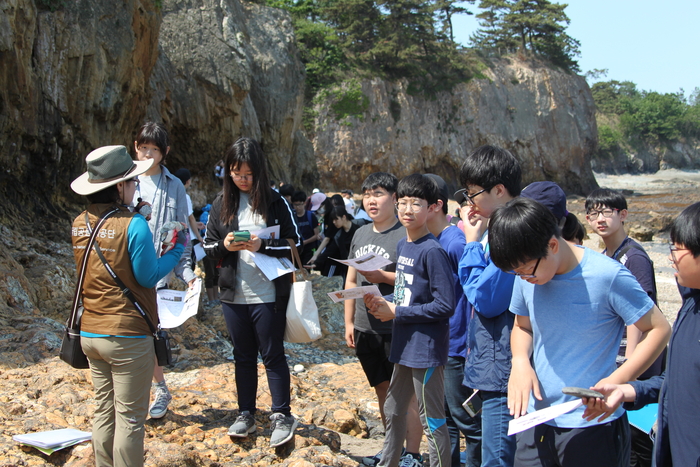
[[176, 306], [544, 415], [368, 262], [353, 294]]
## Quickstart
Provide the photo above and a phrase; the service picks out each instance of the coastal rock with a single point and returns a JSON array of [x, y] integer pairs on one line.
[[544, 116], [88, 74]]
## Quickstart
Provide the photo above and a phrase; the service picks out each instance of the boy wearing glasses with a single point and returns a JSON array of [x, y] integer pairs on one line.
[[420, 311], [677, 441], [571, 306], [491, 177], [370, 337], [606, 212]]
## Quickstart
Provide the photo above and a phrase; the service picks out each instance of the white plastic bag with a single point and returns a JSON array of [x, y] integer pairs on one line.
[[302, 315]]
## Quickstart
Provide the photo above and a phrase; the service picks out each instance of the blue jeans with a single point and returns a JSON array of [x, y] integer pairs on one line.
[[458, 420], [497, 448]]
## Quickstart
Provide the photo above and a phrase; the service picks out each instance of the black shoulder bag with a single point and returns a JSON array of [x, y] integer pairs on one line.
[[160, 336], [71, 350]]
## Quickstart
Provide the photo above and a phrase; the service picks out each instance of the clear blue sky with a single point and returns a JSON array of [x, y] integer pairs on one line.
[[651, 43]]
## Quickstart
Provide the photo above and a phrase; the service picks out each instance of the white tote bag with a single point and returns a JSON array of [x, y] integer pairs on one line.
[[302, 314]]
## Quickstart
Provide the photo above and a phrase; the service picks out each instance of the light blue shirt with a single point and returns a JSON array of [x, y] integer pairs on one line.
[[577, 322]]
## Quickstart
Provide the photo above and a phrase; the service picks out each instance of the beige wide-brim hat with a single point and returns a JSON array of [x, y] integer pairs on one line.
[[107, 166]]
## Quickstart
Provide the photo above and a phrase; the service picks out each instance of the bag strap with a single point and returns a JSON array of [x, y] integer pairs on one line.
[[125, 290], [74, 319], [296, 261]]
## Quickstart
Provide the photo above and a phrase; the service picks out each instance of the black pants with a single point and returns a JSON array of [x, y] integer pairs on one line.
[[257, 329], [606, 445]]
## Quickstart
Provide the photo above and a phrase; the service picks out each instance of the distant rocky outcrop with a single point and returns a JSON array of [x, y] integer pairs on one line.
[[90, 73], [644, 157], [543, 115]]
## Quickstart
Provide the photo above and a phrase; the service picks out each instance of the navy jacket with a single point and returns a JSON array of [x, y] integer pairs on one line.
[[676, 390]]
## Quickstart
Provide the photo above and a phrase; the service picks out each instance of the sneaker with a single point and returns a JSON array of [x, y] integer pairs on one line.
[[243, 426], [409, 461], [372, 461], [160, 405], [282, 429]]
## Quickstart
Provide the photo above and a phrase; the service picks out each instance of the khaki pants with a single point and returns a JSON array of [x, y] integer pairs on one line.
[[121, 369]]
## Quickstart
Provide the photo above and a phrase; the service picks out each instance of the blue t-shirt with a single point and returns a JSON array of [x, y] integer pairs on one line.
[[453, 241], [577, 321], [306, 225], [421, 331]]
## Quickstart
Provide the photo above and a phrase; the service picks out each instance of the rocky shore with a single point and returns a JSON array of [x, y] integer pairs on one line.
[[338, 414]]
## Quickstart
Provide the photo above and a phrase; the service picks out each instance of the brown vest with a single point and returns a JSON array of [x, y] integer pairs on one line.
[[107, 309]]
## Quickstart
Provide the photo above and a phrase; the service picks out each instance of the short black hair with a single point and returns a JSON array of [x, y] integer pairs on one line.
[[685, 229], [154, 133], [183, 174], [339, 211], [418, 186], [488, 166], [605, 198], [519, 231], [573, 229], [287, 189], [107, 195], [298, 196], [381, 180]]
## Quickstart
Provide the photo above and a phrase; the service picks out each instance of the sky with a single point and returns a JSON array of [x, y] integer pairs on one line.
[[651, 43]]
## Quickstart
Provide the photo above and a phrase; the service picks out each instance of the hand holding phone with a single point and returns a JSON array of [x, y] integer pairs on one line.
[[241, 236], [582, 392]]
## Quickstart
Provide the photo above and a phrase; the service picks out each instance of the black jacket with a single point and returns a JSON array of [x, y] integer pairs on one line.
[[278, 213]]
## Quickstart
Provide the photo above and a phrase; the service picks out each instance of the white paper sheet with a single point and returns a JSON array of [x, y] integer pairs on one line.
[[354, 293], [269, 232], [272, 267], [199, 252], [53, 438], [176, 306], [543, 415], [368, 262]]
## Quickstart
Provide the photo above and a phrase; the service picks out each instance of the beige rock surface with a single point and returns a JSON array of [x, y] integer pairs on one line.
[[544, 116]]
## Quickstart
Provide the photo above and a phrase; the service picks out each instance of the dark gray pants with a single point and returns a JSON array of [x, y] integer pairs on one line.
[[428, 384]]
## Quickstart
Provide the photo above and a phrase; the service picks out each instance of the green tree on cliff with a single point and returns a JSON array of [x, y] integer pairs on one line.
[[530, 26]]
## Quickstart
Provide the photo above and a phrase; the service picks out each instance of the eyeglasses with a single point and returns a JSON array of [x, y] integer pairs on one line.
[[414, 206], [527, 276], [242, 177], [673, 249], [135, 180], [594, 214], [470, 198]]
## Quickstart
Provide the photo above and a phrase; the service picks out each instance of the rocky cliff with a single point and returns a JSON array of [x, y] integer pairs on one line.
[[89, 73], [544, 116]]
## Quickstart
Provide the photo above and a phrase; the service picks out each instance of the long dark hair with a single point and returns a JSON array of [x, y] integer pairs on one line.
[[246, 151]]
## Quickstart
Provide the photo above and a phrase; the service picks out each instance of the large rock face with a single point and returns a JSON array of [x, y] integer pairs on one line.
[[543, 116], [228, 69], [91, 72]]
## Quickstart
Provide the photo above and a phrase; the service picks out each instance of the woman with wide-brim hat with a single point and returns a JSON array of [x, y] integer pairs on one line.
[[114, 335]]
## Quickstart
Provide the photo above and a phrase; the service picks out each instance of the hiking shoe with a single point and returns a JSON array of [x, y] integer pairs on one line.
[[409, 461], [243, 426], [282, 429], [372, 461], [160, 405]]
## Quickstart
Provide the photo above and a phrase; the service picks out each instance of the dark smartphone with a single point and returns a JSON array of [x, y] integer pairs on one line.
[[582, 392], [473, 404], [241, 236]]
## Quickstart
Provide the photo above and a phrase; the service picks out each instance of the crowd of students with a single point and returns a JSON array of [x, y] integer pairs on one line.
[[499, 307]]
